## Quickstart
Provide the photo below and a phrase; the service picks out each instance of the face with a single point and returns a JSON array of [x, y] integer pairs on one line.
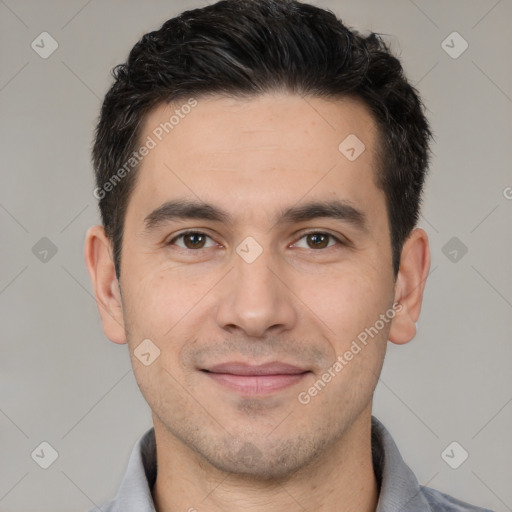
[[256, 254]]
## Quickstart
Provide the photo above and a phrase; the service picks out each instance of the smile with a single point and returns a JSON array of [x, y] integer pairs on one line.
[[251, 380]]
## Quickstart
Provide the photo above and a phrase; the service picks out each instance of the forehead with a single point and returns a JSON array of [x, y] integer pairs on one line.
[[259, 152], [260, 124]]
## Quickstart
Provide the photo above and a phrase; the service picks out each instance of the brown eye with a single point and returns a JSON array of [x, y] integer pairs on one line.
[[194, 240], [191, 240], [318, 240]]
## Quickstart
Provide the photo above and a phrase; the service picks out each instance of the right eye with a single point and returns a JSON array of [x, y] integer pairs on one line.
[[192, 240]]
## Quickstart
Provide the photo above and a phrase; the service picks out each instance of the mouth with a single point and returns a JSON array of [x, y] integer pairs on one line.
[[255, 380]]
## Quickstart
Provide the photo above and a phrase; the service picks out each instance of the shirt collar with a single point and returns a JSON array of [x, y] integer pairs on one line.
[[399, 488]]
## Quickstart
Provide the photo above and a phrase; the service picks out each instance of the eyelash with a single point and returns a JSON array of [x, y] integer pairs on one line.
[[194, 232]]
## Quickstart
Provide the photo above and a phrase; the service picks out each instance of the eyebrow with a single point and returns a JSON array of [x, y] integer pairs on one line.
[[182, 209]]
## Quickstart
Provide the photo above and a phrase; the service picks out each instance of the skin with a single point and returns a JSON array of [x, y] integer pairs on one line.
[[295, 303]]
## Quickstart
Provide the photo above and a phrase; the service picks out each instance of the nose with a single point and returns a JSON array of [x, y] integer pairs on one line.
[[256, 299]]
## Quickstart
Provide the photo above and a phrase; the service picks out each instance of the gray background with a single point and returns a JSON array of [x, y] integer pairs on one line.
[[63, 382]]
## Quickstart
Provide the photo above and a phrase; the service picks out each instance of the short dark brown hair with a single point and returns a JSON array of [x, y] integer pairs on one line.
[[243, 48]]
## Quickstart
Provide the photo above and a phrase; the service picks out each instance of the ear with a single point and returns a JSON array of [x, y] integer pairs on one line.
[[409, 286], [100, 264]]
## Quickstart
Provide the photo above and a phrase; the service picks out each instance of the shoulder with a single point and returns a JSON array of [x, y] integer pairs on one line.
[[440, 502]]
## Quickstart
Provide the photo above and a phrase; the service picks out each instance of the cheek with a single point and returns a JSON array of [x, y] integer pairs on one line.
[[156, 301], [347, 301], [360, 338], [157, 309], [162, 306]]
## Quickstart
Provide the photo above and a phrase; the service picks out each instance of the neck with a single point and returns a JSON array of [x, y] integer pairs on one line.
[[341, 478]]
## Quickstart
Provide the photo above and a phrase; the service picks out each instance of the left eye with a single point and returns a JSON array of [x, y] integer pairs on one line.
[[319, 240]]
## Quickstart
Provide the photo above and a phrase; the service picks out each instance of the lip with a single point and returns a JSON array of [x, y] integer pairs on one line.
[[256, 380]]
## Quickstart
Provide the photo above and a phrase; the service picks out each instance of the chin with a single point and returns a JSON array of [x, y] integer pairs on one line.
[[264, 461]]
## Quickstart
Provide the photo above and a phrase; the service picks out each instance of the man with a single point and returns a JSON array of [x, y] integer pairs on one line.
[[259, 168]]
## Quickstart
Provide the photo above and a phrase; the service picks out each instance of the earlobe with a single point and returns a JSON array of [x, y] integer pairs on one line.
[[410, 285], [100, 265]]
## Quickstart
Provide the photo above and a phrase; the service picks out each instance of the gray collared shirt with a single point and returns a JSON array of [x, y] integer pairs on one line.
[[399, 489]]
